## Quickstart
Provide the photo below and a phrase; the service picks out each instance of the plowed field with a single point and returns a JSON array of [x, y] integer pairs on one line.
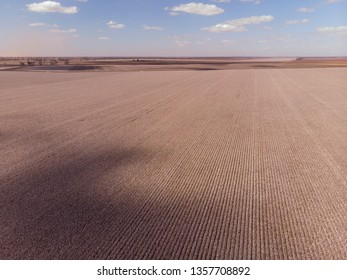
[[236, 164]]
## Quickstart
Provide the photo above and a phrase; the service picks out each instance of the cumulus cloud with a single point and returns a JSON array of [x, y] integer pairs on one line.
[[338, 30], [115, 25], [251, 1], [51, 7], [333, 1], [34, 24], [298, 21], [227, 41], [147, 27], [180, 43], [182, 40], [238, 25], [305, 10], [72, 30], [197, 9]]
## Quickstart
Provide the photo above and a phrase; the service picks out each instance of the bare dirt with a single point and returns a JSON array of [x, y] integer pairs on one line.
[[234, 164], [114, 64]]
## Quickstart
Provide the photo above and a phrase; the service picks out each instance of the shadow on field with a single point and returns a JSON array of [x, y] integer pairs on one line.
[[58, 209], [74, 206], [87, 207]]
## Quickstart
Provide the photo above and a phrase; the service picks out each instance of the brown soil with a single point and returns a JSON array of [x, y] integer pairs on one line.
[[172, 64], [247, 164]]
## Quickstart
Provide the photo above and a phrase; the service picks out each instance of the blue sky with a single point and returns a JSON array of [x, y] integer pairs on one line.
[[173, 28]]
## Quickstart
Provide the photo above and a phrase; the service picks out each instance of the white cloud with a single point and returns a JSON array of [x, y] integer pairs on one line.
[[35, 24], [221, 1], [115, 25], [338, 30], [182, 40], [227, 41], [180, 43], [251, 1], [197, 9], [226, 27], [103, 38], [147, 27], [333, 1], [238, 25], [305, 10], [73, 30], [51, 7], [299, 21]]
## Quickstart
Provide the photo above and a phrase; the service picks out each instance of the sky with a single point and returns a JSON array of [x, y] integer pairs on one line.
[[173, 28]]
